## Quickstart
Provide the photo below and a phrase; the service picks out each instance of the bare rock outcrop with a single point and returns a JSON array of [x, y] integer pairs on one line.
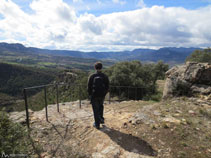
[[189, 79]]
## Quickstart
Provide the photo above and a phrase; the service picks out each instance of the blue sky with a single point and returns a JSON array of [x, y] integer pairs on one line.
[[104, 25], [99, 7]]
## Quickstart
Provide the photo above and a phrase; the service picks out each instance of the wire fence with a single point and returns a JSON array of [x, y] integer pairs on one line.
[[62, 92]]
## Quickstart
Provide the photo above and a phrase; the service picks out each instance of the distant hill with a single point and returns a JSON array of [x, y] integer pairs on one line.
[[171, 55], [44, 58]]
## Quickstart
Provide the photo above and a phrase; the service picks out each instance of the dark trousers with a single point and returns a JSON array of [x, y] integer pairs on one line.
[[97, 106]]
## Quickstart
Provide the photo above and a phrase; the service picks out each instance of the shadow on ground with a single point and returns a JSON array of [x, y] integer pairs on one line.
[[129, 143]]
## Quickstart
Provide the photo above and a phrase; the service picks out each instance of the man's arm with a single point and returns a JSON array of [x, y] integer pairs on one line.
[[89, 85], [106, 83]]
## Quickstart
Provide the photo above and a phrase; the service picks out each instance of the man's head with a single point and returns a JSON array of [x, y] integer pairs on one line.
[[98, 66]]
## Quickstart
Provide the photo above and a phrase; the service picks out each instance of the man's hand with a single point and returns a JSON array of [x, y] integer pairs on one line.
[[90, 98]]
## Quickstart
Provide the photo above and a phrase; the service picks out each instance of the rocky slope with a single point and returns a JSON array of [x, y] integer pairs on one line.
[[189, 79], [180, 127]]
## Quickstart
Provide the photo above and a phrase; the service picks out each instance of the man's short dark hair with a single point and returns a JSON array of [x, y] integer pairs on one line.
[[98, 65]]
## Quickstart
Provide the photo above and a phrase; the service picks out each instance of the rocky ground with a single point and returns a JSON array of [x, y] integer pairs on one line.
[[180, 127]]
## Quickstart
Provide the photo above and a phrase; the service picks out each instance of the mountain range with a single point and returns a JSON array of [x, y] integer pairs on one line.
[[170, 55]]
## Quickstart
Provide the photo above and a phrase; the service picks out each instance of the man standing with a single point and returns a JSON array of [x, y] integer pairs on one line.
[[98, 85]]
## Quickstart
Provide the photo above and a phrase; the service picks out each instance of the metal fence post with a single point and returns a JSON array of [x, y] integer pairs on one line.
[[26, 106], [119, 94], [79, 96], [136, 93], [109, 97], [57, 96], [46, 104]]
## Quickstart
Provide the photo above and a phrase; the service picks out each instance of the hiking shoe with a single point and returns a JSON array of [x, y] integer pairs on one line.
[[96, 126], [102, 121]]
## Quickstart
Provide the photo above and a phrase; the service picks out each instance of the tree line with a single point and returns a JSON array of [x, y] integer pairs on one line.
[[203, 56]]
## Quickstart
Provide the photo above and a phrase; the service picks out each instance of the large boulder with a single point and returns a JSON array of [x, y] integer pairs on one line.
[[189, 79]]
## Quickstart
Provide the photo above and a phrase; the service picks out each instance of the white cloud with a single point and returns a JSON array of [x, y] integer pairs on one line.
[[55, 24], [99, 2], [77, 1], [119, 1], [141, 4], [89, 23]]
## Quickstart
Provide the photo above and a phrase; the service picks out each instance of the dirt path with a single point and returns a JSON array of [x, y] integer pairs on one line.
[[69, 133], [134, 129]]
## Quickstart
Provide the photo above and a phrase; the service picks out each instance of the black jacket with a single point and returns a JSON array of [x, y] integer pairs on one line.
[[91, 78]]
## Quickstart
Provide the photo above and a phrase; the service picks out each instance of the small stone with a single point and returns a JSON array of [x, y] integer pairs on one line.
[[178, 111], [138, 121], [33, 118], [155, 126], [157, 113], [36, 140], [135, 150], [166, 125], [172, 120], [30, 111], [183, 120], [191, 112], [176, 115], [88, 127], [199, 100], [119, 138], [134, 122], [45, 132], [43, 128], [44, 154], [111, 150], [125, 125], [97, 155], [43, 141], [205, 105], [208, 97]]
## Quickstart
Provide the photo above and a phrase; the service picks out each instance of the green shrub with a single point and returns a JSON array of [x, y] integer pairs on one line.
[[13, 137], [183, 88], [200, 56], [156, 97], [142, 78]]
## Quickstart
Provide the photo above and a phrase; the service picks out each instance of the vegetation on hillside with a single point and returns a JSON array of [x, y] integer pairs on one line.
[[203, 56], [14, 78]]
